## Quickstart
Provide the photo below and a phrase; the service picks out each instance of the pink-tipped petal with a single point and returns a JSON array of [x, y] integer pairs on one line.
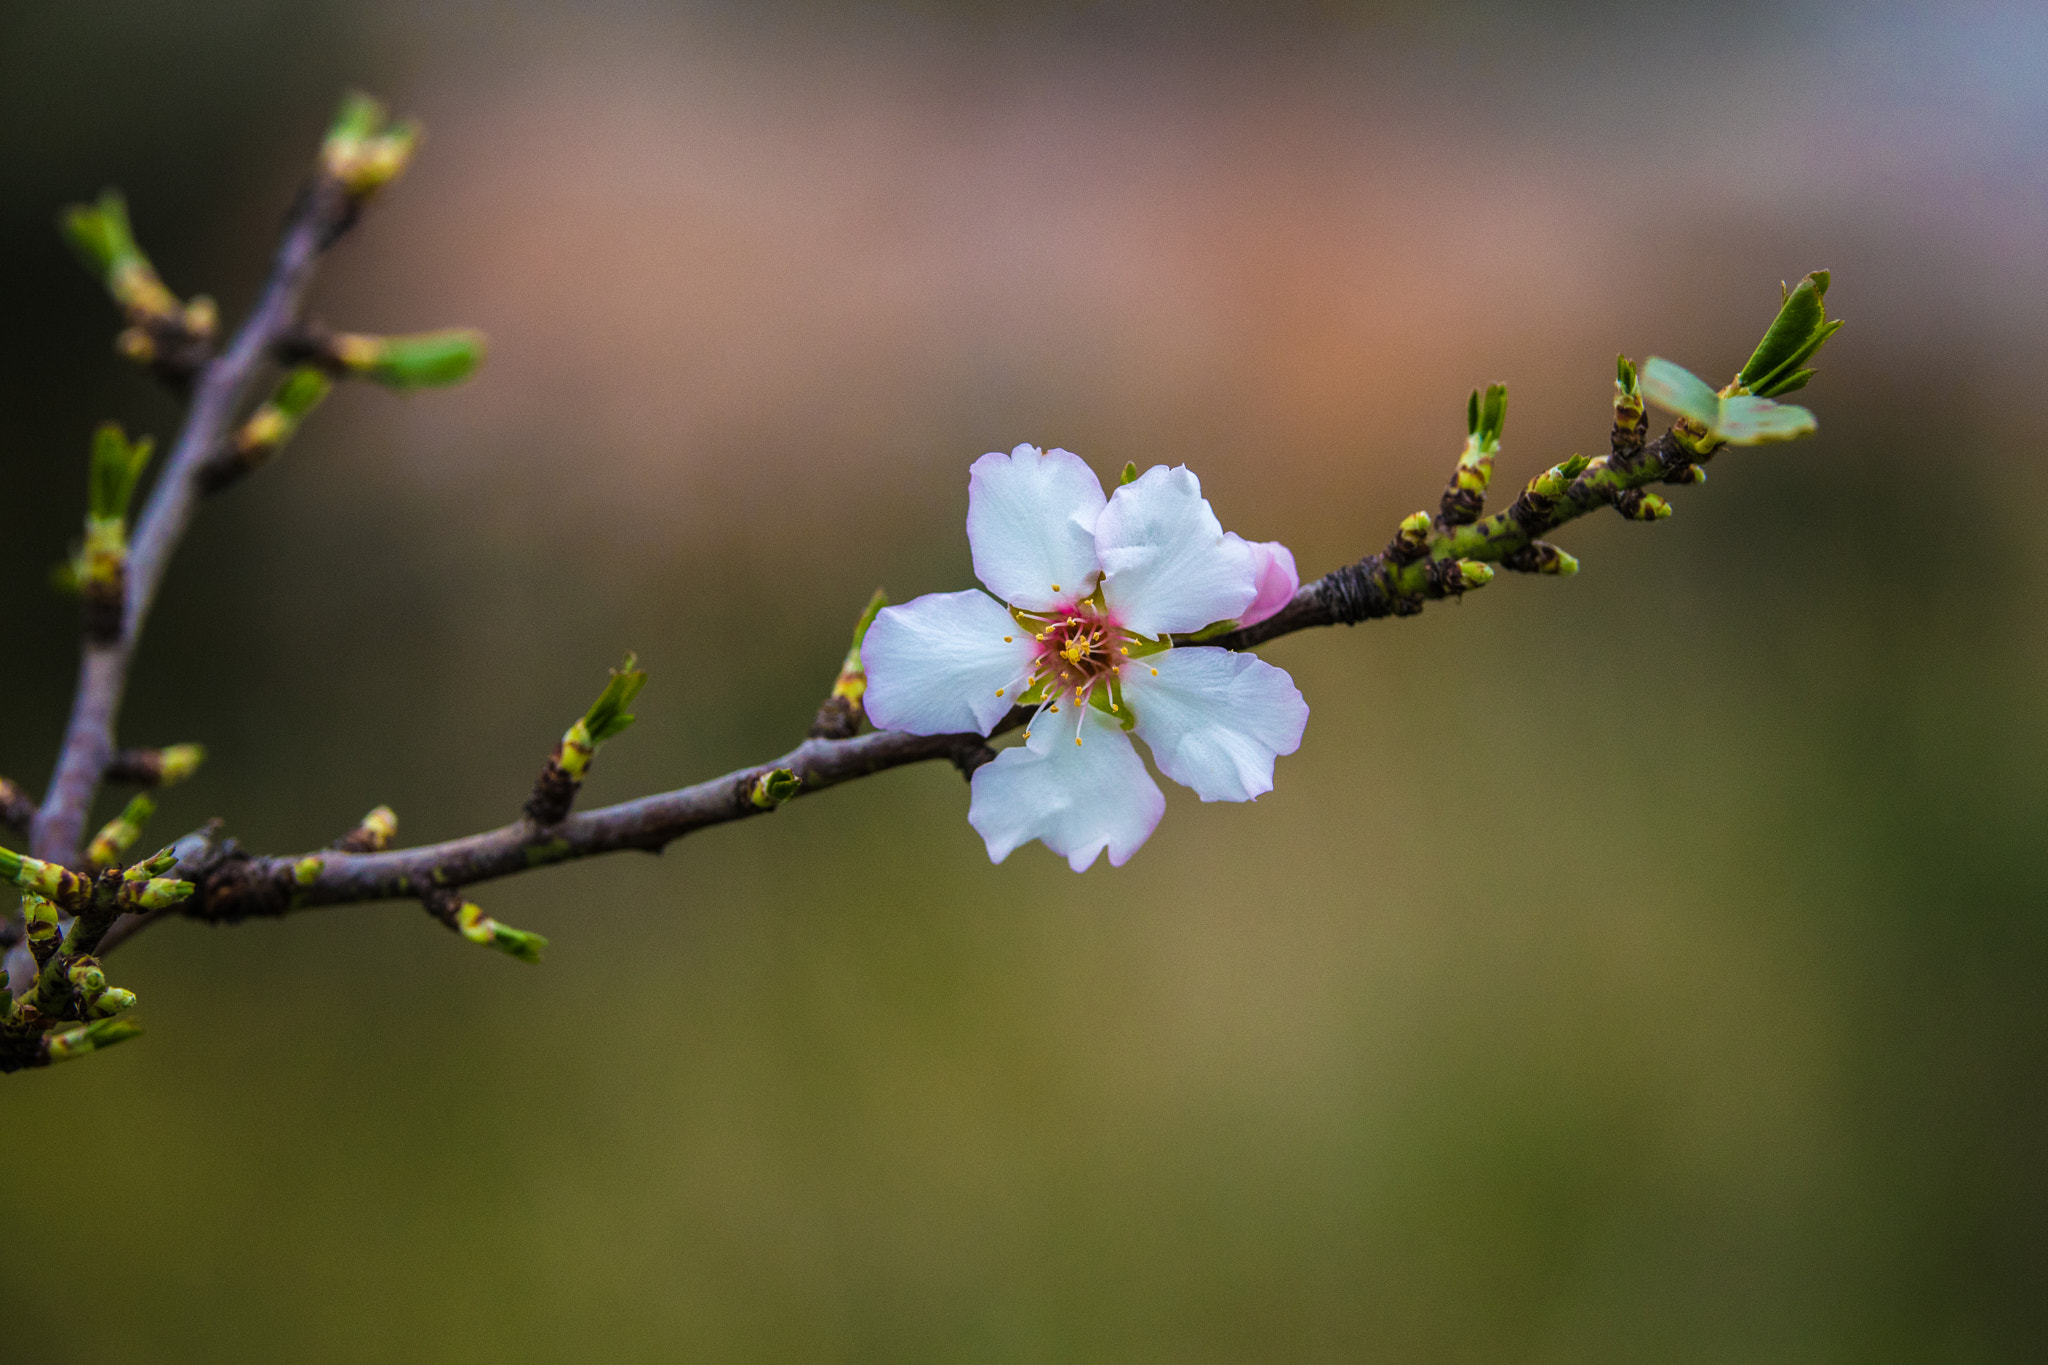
[[1278, 580], [1168, 566], [1215, 719], [1031, 523], [1080, 799], [934, 664]]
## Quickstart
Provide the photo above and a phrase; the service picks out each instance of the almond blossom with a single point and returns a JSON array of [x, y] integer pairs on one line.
[[1092, 589]]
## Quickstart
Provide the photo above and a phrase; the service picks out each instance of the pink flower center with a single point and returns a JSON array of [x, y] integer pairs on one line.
[[1079, 654]]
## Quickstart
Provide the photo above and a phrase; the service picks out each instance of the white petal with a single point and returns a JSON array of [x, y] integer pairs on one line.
[[1031, 523], [1169, 567], [1278, 579], [1080, 799], [934, 664], [1215, 719]]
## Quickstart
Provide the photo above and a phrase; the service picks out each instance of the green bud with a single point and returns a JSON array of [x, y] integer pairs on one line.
[[158, 863], [476, 926], [39, 917], [1411, 542], [59, 884], [1624, 378], [101, 236], [116, 466], [180, 761], [159, 893], [1551, 483], [1474, 573], [852, 682], [307, 870], [278, 417], [1649, 507], [361, 152], [774, 788], [373, 834], [111, 1002], [419, 360], [120, 833], [1573, 467], [87, 978], [1130, 473], [93, 1037]]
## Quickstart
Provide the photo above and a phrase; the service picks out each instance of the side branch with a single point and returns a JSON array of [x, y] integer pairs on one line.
[[323, 211]]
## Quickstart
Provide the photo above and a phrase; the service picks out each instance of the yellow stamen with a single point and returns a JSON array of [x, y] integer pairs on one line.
[[1155, 672], [1077, 741], [1055, 587], [1008, 639], [999, 691]]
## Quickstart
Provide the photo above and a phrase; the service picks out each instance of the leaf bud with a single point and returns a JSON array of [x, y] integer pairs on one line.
[[110, 1002], [361, 152], [414, 361], [774, 788], [476, 926], [120, 833], [159, 893], [93, 1037]]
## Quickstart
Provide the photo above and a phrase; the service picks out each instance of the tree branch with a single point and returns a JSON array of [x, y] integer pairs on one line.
[[323, 211], [1418, 566]]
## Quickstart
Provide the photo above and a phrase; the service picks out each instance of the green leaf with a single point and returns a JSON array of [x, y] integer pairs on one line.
[[1750, 421], [607, 715], [116, 465], [428, 359], [1795, 334], [1681, 391]]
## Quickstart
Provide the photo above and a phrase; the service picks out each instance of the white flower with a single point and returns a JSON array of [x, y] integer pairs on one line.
[[1094, 587]]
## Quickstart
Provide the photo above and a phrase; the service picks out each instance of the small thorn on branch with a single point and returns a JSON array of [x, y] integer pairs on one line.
[[842, 714]]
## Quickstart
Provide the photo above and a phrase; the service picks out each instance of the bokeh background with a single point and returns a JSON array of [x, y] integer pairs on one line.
[[1646, 967]]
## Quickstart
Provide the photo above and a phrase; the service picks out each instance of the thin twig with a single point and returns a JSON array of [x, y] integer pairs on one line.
[[321, 213]]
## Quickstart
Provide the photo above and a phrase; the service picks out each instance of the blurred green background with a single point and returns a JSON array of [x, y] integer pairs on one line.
[[1646, 967]]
